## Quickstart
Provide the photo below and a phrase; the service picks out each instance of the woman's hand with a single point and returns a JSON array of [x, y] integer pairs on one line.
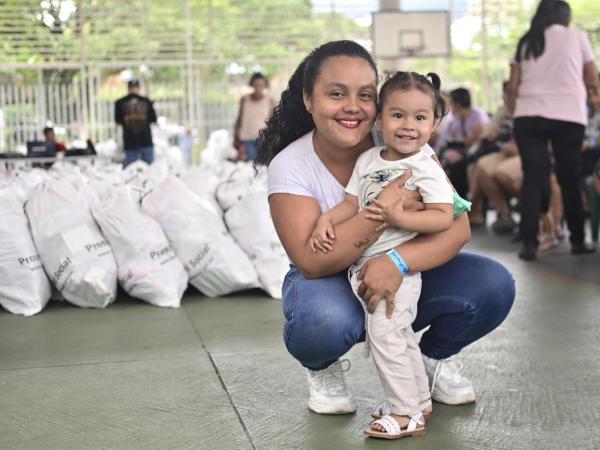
[[381, 279]]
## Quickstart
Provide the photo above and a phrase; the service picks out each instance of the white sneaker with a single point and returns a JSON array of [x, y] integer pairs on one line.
[[328, 391], [447, 384]]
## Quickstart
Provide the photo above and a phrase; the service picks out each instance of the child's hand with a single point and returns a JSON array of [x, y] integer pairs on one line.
[[376, 211], [322, 236], [389, 215]]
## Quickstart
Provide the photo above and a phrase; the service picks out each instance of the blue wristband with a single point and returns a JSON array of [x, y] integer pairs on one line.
[[398, 261]]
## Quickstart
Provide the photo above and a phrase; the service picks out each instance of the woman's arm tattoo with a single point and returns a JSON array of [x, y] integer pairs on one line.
[[361, 244]]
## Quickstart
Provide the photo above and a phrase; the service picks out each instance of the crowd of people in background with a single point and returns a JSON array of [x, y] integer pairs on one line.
[[534, 162], [530, 154]]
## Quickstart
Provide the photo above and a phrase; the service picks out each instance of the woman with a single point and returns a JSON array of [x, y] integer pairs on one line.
[[311, 143], [552, 68], [253, 113]]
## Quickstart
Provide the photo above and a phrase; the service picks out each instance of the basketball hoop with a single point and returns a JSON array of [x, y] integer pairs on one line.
[[411, 52], [412, 34], [410, 41]]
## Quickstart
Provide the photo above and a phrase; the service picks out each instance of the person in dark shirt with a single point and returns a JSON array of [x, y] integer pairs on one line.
[[52, 141], [135, 113]]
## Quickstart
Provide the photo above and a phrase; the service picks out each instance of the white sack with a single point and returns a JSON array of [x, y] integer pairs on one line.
[[240, 183], [159, 170], [107, 149], [28, 179], [74, 253], [148, 266], [143, 178], [219, 147], [204, 183], [249, 222], [81, 184], [24, 287], [214, 262], [135, 168]]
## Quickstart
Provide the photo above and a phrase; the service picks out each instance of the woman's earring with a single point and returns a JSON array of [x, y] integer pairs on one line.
[[309, 110]]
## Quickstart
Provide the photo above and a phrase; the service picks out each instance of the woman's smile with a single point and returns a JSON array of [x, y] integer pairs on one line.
[[349, 123]]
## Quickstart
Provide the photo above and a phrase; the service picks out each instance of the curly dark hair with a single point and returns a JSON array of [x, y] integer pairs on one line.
[[290, 120], [404, 81]]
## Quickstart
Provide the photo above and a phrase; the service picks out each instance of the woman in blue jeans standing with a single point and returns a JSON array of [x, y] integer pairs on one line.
[[322, 124]]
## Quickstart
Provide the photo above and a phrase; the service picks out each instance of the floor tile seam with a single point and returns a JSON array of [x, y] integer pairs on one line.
[[221, 380], [96, 363]]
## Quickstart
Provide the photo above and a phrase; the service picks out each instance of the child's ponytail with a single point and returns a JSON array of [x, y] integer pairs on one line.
[[438, 99], [436, 81]]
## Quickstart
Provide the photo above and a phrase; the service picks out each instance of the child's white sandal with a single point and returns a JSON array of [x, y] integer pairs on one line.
[[415, 427]]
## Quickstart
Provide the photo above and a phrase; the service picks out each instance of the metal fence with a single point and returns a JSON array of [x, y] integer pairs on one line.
[[83, 107], [62, 61]]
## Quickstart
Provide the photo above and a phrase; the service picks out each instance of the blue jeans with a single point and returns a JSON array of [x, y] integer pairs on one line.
[[133, 154], [250, 149], [462, 301]]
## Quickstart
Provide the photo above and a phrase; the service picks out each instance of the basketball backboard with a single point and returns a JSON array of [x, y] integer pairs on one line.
[[398, 34]]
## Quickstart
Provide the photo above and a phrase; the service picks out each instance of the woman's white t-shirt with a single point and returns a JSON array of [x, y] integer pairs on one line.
[[298, 170]]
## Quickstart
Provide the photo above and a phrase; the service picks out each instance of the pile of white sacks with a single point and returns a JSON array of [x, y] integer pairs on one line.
[[73, 233]]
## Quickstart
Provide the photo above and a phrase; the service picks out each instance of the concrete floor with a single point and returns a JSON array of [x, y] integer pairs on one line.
[[214, 374]]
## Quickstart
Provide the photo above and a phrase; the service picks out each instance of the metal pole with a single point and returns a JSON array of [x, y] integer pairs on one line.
[[485, 71], [390, 65], [83, 121], [191, 119], [41, 100]]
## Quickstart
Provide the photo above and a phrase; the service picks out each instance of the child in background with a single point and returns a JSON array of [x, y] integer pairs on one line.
[[186, 144], [410, 106]]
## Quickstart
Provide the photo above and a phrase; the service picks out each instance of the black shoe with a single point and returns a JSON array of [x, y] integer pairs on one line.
[[504, 225], [582, 249], [528, 252]]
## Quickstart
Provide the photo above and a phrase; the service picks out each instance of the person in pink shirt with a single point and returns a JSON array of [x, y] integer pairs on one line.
[[552, 68], [255, 109]]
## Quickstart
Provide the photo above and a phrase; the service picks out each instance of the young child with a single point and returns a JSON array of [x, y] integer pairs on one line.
[[410, 107]]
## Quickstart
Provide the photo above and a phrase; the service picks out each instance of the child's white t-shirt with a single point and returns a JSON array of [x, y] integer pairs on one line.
[[372, 174], [298, 170]]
